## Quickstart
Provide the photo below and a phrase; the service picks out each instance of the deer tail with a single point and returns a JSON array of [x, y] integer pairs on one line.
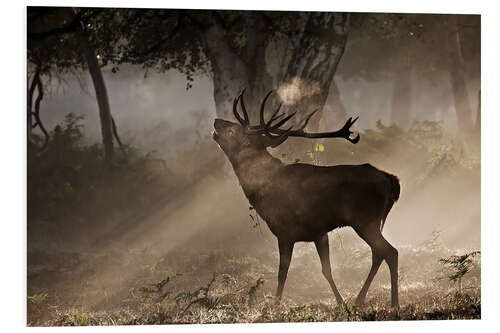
[[395, 190]]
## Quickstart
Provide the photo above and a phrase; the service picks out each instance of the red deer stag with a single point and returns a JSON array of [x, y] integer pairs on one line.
[[303, 202]]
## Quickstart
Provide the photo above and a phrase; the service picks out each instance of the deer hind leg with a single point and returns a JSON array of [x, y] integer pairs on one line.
[[323, 249], [376, 261], [286, 250], [381, 250]]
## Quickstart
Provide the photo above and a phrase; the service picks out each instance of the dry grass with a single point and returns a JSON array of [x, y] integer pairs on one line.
[[224, 288]]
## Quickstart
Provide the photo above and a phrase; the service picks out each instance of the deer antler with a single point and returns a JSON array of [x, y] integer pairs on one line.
[[280, 135]]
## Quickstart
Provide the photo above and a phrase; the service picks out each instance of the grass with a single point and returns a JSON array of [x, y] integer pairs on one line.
[[220, 288], [234, 310]]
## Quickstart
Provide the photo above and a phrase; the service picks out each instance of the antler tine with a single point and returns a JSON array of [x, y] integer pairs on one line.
[[306, 121], [245, 114], [277, 140], [235, 111], [274, 117], [344, 132], [262, 122], [281, 122], [280, 135]]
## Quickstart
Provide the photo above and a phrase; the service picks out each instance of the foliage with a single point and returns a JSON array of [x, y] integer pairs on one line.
[[70, 172], [38, 299], [459, 266]]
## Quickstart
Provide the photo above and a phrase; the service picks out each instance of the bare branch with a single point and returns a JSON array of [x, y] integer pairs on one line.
[[36, 113], [115, 133]]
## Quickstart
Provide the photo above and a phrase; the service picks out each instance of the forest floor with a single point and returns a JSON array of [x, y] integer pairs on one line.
[[141, 288]]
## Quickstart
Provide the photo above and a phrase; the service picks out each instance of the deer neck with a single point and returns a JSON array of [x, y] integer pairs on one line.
[[255, 169]]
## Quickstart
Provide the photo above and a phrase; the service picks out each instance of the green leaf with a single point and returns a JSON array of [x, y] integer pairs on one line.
[[319, 147], [311, 155], [283, 155], [297, 160]]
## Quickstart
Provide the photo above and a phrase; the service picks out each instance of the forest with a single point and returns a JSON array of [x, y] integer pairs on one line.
[[135, 215]]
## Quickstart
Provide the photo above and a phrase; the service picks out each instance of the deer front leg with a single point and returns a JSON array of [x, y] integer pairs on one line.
[[323, 249], [286, 250]]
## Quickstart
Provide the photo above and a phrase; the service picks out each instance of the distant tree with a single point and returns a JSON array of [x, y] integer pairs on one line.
[[391, 46], [62, 40]]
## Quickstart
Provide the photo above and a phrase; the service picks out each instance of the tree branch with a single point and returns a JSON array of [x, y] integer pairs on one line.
[[36, 113], [31, 92], [115, 133]]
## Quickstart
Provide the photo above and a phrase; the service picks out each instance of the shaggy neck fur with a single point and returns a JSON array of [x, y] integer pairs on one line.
[[255, 169]]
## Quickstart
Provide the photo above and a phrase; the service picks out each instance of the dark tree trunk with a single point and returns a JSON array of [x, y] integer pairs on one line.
[[259, 80], [99, 87], [228, 69], [31, 92], [401, 98], [334, 107], [233, 71], [318, 51], [102, 100]]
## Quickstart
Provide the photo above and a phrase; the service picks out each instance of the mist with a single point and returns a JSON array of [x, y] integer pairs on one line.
[[157, 113]]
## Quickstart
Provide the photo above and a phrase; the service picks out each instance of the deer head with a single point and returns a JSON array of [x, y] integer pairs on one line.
[[234, 138]]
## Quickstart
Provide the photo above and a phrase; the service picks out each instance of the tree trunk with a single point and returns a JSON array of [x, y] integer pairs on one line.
[[260, 81], [102, 101], [401, 98], [233, 72], [317, 53], [318, 48], [457, 80], [313, 65], [334, 108], [31, 92], [228, 70], [99, 87]]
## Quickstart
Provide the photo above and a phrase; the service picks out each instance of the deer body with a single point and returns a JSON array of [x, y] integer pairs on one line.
[[302, 202]]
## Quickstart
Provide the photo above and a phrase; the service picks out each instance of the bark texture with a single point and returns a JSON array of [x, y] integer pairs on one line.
[[102, 99], [228, 69], [318, 50], [317, 47]]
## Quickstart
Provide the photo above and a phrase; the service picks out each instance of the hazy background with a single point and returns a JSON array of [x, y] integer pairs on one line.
[[157, 113]]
